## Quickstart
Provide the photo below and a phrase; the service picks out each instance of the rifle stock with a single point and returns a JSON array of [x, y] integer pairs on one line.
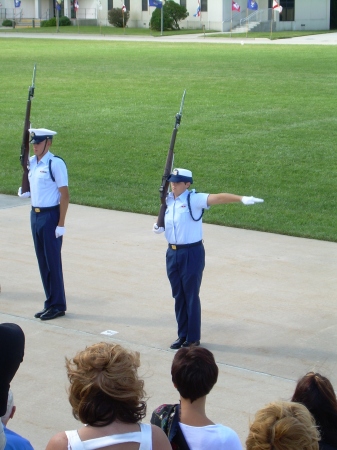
[[163, 190], [24, 157]]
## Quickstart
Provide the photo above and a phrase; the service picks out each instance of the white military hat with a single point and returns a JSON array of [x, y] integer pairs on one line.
[[38, 135], [179, 175]]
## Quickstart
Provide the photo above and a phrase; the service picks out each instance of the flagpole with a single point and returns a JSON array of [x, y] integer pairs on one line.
[[271, 23], [247, 21], [162, 19], [57, 20], [231, 19]]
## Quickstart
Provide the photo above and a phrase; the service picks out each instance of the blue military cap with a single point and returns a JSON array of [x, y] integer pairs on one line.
[[38, 135], [179, 175]]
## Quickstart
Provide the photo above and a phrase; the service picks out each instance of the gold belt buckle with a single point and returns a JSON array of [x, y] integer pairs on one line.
[[37, 209], [174, 247]]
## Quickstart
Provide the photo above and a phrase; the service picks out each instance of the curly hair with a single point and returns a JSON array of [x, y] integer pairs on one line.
[[283, 426], [194, 372], [104, 385], [316, 393]]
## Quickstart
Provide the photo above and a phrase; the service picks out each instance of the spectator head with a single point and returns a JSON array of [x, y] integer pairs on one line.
[[283, 426], [104, 385], [11, 408], [317, 394], [194, 372], [12, 346]]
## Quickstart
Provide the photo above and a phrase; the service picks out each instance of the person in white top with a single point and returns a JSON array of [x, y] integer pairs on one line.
[[107, 396], [194, 373], [48, 182], [185, 256]]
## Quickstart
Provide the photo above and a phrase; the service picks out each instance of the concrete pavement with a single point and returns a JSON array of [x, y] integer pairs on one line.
[[268, 312], [316, 39]]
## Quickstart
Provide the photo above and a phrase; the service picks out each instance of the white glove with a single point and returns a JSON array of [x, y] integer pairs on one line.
[[24, 195], [251, 200], [157, 229], [59, 231]]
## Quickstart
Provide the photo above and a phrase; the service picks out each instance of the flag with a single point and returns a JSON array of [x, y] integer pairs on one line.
[[156, 3], [197, 14], [251, 4], [123, 9], [17, 3], [58, 5], [76, 5], [277, 7], [235, 6]]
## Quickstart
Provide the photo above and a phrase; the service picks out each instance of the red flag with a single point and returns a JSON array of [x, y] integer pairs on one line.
[[123, 9], [76, 5], [277, 7], [235, 6]]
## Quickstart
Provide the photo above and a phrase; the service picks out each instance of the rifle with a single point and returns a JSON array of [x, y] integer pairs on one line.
[[163, 190], [24, 157]]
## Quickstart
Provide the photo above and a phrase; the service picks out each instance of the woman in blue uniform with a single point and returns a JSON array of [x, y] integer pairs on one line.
[[185, 256], [48, 180]]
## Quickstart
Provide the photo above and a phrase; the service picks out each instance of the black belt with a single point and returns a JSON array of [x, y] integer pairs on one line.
[[177, 247], [40, 210]]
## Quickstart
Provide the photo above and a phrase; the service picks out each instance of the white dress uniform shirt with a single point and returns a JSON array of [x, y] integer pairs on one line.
[[180, 228], [43, 190]]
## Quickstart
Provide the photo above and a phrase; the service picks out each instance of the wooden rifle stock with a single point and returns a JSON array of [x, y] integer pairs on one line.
[[163, 190], [24, 157]]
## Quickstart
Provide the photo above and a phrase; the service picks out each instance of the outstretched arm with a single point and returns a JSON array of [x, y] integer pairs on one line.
[[218, 199]]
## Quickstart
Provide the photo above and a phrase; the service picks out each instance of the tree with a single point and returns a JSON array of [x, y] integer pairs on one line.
[[115, 17], [172, 15]]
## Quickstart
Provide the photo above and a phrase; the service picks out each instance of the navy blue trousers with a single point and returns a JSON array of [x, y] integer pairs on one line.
[[48, 253], [184, 270]]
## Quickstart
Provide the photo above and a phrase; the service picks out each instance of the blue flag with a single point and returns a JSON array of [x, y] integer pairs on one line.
[[156, 3], [17, 3], [251, 4]]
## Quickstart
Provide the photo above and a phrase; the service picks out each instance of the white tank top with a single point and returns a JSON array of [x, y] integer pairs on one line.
[[144, 437]]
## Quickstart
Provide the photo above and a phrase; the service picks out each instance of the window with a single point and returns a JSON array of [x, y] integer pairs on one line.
[[288, 11], [110, 5], [145, 5], [127, 4], [203, 5], [183, 3]]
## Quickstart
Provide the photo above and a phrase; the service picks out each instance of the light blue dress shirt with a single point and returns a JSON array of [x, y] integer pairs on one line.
[[180, 228], [43, 190]]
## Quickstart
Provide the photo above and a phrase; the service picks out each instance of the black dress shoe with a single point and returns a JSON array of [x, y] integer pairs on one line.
[[190, 344], [52, 313], [39, 314], [178, 343]]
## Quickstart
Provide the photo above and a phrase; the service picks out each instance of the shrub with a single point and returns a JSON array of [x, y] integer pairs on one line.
[[7, 23], [64, 21], [49, 23], [172, 15], [115, 17]]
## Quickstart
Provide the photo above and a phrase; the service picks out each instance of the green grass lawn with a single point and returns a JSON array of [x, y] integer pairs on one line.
[[101, 30], [258, 120]]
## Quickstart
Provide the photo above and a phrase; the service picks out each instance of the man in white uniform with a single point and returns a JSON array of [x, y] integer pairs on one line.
[[48, 180]]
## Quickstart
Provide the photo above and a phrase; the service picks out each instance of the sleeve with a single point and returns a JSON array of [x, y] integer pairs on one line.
[[199, 200], [60, 172]]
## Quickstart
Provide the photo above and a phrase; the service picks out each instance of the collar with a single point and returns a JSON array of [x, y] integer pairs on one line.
[[45, 159], [182, 197]]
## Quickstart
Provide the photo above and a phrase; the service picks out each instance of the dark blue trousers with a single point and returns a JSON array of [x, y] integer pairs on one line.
[[48, 253], [184, 269]]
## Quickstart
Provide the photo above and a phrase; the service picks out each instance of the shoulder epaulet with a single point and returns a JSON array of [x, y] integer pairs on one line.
[[51, 173]]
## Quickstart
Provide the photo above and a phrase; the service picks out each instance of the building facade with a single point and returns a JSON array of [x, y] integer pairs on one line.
[[214, 14]]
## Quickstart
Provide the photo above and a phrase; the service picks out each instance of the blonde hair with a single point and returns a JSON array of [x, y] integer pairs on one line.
[[104, 385], [283, 426]]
